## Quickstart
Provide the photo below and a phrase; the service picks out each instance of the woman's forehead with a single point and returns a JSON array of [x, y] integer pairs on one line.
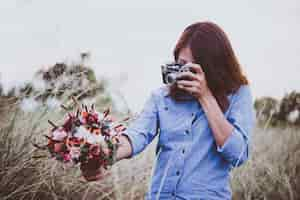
[[185, 55]]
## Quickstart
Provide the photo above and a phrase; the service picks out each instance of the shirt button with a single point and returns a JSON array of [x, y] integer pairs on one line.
[[183, 151], [187, 131], [173, 193], [177, 173], [193, 114], [166, 108]]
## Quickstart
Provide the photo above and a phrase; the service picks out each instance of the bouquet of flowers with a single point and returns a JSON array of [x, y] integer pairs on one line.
[[86, 137]]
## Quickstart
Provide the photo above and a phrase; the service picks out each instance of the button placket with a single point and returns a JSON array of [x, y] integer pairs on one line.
[[187, 131]]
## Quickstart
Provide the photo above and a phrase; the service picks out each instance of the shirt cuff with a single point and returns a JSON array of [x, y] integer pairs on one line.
[[233, 140]]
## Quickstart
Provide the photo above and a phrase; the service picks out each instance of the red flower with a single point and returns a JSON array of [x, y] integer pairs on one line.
[[95, 150]]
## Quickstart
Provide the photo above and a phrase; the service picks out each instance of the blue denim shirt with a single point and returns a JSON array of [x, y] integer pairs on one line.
[[189, 164]]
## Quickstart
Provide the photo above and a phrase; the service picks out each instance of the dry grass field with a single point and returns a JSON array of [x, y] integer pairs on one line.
[[26, 173], [272, 172]]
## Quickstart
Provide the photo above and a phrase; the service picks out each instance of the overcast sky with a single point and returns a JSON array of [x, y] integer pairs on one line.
[[135, 37]]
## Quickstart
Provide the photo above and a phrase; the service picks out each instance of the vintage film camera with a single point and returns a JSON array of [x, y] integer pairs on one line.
[[171, 71]]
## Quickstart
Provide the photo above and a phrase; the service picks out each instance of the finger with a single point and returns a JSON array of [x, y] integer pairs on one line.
[[188, 76], [186, 83], [191, 90], [120, 128], [196, 68]]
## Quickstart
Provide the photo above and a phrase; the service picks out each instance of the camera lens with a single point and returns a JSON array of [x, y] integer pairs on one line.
[[171, 78]]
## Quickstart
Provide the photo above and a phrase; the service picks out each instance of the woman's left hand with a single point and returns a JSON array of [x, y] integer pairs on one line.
[[194, 82]]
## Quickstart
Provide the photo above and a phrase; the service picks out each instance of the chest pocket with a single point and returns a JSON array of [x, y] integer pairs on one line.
[[175, 119]]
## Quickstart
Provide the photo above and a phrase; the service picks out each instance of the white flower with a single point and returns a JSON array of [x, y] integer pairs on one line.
[[99, 138], [95, 139], [75, 152], [293, 116], [81, 132]]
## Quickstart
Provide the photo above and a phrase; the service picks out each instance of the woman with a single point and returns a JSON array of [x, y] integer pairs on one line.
[[205, 120]]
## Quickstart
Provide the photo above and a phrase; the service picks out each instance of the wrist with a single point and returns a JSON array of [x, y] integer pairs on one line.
[[206, 98], [126, 150]]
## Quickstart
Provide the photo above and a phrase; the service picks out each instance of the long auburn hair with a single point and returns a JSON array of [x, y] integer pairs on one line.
[[212, 50]]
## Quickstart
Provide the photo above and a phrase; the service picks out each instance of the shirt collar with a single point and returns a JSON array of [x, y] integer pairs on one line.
[[165, 90]]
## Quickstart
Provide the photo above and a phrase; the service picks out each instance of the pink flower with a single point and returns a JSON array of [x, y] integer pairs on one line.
[[58, 147], [67, 157], [59, 134], [95, 150]]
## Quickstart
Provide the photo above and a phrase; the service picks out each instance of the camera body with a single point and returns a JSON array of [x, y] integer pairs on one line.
[[171, 71]]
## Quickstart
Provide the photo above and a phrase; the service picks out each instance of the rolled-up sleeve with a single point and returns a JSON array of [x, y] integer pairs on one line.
[[236, 148], [142, 130]]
